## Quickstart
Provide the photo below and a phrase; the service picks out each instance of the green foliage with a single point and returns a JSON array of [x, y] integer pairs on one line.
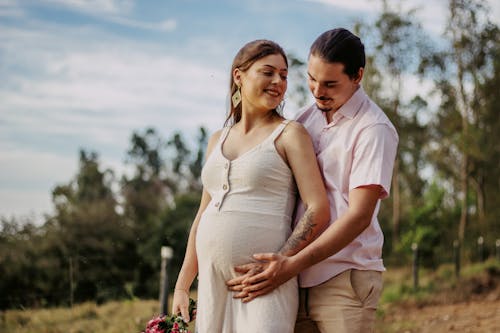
[[458, 134], [176, 222], [426, 229], [160, 201], [440, 285], [102, 244], [297, 91]]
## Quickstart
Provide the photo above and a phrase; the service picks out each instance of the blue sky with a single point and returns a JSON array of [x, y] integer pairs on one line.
[[86, 73]]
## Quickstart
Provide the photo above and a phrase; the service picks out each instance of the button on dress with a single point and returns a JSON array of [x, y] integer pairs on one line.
[[251, 207]]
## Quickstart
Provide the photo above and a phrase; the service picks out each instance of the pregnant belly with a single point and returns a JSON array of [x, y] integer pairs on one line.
[[230, 238]]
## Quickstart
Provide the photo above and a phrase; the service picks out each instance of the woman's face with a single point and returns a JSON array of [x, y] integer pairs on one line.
[[264, 84]]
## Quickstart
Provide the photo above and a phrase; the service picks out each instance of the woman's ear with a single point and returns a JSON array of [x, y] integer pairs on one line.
[[237, 77]]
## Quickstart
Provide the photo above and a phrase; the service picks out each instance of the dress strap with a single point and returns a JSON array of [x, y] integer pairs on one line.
[[225, 132], [277, 131]]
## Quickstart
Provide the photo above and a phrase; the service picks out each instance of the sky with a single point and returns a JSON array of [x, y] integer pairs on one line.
[[85, 74]]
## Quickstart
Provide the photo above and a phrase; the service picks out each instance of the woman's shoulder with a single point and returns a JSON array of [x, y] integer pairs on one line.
[[214, 138], [216, 135], [294, 128], [294, 136]]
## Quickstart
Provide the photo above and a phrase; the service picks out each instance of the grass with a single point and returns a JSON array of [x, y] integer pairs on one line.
[[399, 294], [440, 285], [113, 317]]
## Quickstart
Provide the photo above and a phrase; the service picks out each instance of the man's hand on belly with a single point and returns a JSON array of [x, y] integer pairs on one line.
[[247, 271], [262, 277]]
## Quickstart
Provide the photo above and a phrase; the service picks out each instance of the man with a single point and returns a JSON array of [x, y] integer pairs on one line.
[[355, 144]]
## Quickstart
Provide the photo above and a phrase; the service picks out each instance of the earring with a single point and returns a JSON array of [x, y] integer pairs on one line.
[[236, 98], [281, 107]]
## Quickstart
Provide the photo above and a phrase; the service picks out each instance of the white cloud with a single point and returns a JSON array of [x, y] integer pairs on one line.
[[14, 203], [64, 90], [30, 167], [80, 88], [93, 90], [116, 11], [432, 14], [11, 12], [96, 6], [362, 5], [166, 25], [27, 179]]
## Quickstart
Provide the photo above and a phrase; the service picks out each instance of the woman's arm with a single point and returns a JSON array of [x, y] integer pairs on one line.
[[302, 160], [189, 268]]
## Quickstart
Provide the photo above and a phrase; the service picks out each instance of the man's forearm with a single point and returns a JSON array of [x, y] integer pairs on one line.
[[362, 203], [303, 234], [331, 241]]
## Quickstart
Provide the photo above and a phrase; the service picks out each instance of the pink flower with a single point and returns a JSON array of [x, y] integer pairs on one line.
[[170, 324], [154, 322]]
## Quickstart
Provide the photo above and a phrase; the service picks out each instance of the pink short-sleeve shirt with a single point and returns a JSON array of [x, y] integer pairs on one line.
[[357, 148]]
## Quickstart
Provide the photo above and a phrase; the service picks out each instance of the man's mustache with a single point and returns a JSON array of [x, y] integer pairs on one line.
[[322, 98]]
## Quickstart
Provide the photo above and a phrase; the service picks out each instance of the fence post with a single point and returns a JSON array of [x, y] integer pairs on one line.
[[497, 246], [71, 287], [480, 248], [414, 247], [456, 255], [166, 254]]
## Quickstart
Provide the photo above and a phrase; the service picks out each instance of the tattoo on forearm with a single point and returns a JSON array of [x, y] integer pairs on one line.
[[302, 233]]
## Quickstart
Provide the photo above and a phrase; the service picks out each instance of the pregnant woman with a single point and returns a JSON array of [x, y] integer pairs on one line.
[[253, 169]]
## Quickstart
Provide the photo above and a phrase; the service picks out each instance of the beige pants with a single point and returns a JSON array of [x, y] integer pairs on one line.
[[344, 304]]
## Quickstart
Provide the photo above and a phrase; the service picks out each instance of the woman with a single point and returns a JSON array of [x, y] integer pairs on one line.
[[250, 178]]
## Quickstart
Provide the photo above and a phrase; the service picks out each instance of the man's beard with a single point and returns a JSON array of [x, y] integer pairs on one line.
[[324, 110]]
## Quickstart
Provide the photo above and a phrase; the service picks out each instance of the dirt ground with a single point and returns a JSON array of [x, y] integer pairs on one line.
[[481, 316], [470, 304]]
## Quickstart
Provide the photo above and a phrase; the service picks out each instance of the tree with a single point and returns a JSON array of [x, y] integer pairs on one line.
[[165, 171], [297, 92], [196, 165], [395, 46], [93, 240], [460, 125], [484, 167]]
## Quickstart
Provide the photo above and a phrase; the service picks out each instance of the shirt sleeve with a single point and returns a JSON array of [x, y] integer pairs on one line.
[[373, 158]]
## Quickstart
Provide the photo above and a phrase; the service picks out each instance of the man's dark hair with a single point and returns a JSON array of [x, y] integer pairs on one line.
[[340, 45]]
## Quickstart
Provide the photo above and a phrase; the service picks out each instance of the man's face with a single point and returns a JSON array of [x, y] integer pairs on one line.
[[328, 83]]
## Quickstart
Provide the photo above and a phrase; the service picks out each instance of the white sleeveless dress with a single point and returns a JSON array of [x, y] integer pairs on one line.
[[253, 198]]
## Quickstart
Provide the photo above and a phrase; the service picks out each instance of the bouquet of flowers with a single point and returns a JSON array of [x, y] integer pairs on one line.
[[171, 324]]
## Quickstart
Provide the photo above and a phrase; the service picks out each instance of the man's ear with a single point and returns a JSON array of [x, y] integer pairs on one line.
[[359, 75]]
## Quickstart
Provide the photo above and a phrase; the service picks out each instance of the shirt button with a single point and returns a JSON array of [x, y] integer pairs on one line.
[[224, 187], [226, 165], [217, 204]]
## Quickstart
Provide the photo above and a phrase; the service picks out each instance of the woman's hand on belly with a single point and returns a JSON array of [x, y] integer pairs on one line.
[[262, 277], [247, 270]]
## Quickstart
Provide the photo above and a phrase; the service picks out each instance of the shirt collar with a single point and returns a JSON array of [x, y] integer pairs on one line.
[[353, 104], [349, 110]]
